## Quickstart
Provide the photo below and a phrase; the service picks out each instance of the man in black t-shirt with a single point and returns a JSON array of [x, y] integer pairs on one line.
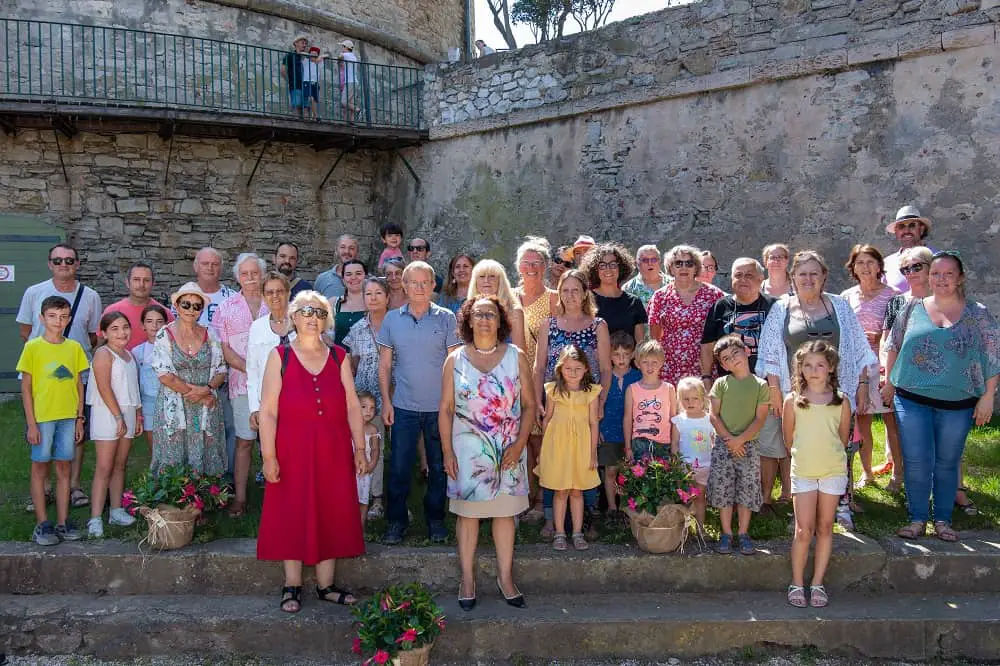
[[291, 69]]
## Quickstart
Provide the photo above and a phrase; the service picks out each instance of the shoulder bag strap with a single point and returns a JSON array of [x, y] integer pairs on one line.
[[284, 350], [73, 309]]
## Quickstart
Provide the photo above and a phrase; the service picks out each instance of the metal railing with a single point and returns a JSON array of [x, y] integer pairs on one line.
[[84, 64]]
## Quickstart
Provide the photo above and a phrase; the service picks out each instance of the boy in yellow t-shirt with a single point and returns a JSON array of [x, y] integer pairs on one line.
[[52, 393]]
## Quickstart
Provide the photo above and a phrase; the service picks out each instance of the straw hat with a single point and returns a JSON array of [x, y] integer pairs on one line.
[[189, 289], [347, 44], [908, 213]]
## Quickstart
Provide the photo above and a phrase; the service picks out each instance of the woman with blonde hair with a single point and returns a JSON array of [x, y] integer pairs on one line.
[[490, 279]]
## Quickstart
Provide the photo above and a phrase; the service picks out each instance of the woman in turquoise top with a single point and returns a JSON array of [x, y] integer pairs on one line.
[[948, 350]]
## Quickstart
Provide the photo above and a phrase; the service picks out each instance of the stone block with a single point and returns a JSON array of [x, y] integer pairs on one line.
[[31, 184], [132, 206], [190, 207], [964, 38], [872, 53], [117, 192], [131, 141], [102, 160], [924, 45]]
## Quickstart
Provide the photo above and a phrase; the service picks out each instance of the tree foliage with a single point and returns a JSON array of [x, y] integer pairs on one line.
[[547, 18], [501, 19]]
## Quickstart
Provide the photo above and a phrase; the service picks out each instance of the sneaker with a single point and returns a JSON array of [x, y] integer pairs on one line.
[[375, 511], [68, 532], [120, 517], [437, 532], [45, 534], [725, 544], [746, 545], [393, 535], [95, 528], [844, 518]]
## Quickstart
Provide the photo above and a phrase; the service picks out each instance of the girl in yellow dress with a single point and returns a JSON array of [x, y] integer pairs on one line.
[[567, 463]]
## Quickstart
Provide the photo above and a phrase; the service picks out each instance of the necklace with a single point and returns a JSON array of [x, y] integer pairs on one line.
[[485, 352]]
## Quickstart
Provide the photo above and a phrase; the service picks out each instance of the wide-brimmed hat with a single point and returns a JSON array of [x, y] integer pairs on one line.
[[347, 44], [300, 38], [908, 213], [189, 289], [583, 243]]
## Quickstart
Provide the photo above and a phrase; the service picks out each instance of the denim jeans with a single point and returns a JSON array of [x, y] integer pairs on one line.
[[405, 435], [932, 440], [590, 498]]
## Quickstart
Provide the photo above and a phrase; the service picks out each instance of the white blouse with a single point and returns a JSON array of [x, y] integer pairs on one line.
[[259, 345]]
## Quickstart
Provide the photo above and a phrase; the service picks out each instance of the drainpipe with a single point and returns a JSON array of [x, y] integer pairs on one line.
[[468, 30]]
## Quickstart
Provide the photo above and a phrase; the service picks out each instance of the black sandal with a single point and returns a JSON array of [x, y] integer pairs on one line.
[[322, 593], [290, 594], [969, 509]]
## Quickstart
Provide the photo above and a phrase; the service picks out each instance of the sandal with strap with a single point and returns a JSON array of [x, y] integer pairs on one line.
[[78, 498], [969, 509], [914, 530], [818, 597], [797, 596], [291, 594], [579, 542], [945, 531], [559, 542], [323, 594]]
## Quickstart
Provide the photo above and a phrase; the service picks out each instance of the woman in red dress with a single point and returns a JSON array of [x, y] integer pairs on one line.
[[309, 420]]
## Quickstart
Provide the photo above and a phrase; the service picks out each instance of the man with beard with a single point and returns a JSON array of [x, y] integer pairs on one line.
[[286, 260], [910, 229], [331, 283]]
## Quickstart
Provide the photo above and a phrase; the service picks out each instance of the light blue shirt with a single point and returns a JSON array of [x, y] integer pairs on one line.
[[330, 285]]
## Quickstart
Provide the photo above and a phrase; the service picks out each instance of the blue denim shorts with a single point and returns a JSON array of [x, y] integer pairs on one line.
[[295, 98], [58, 441]]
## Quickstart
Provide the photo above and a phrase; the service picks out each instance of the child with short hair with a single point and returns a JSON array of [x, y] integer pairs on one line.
[[650, 403], [692, 435], [153, 318], [373, 449], [392, 236], [739, 404], [816, 425], [611, 449], [567, 463], [115, 419], [52, 395]]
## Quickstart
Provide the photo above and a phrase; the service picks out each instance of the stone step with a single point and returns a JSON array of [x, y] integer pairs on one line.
[[230, 567], [633, 625]]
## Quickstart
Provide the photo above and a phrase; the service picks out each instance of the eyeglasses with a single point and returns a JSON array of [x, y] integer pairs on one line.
[[563, 262], [710, 267], [684, 263], [607, 265], [649, 260], [197, 306], [59, 261], [310, 311], [486, 316], [533, 263], [908, 225], [821, 334], [913, 268], [416, 248]]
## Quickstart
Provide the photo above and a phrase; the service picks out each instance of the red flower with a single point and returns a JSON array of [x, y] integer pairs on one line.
[[189, 490], [214, 490], [441, 623], [621, 479], [356, 647], [639, 471], [381, 657], [408, 636], [404, 605], [199, 502]]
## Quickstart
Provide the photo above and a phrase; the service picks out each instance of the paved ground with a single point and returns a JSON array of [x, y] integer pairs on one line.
[[802, 658]]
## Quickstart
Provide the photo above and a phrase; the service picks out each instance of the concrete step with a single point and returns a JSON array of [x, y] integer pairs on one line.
[[599, 626], [229, 567]]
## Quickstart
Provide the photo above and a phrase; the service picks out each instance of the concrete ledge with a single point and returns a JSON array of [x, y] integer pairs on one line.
[[229, 567], [595, 626], [971, 565]]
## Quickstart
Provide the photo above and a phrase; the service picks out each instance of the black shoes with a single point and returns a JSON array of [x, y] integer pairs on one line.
[[466, 603], [516, 601]]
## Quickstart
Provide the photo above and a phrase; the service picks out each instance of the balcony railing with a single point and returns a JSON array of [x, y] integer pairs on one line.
[[82, 64]]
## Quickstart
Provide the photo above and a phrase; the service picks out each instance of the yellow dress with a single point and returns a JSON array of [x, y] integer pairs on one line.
[[564, 463]]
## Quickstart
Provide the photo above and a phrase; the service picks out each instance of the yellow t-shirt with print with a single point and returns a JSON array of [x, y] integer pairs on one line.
[[54, 369]]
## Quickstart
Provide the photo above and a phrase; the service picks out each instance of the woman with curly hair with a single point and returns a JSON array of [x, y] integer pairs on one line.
[[608, 266]]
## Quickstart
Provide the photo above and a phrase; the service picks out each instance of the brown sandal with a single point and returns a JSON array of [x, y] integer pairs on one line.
[[945, 531], [914, 530]]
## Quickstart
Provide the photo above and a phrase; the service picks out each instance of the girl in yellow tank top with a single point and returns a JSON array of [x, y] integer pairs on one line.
[[816, 424]]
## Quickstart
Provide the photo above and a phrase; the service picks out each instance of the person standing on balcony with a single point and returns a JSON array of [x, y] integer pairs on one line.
[[484, 48], [310, 82], [292, 69], [349, 80]]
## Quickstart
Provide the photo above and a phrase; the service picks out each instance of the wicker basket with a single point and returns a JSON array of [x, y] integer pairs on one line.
[[665, 532], [420, 656], [170, 527]]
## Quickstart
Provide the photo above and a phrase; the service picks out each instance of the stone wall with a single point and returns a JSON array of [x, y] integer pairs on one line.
[[116, 208], [818, 149]]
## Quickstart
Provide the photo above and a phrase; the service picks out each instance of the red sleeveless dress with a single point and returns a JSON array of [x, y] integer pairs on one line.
[[311, 514]]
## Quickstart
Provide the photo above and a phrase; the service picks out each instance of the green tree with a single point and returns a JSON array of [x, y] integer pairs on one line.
[[501, 19]]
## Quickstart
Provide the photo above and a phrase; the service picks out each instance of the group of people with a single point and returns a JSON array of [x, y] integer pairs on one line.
[[305, 70], [520, 402]]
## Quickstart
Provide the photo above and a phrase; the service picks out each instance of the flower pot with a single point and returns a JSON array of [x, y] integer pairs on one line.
[[170, 527], [665, 532], [420, 656]]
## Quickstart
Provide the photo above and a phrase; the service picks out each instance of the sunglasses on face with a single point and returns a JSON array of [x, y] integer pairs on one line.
[[59, 261], [683, 263], [416, 248], [908, 225], [607, 265], [310, 311], [649, 260], [563, 262], [914, 268], [197, 306]]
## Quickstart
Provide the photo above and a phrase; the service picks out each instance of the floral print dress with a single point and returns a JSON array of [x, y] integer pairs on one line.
[[585, 339], [487, 422], [682, 325]]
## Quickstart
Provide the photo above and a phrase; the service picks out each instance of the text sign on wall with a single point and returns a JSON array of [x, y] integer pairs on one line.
[[6, 272]]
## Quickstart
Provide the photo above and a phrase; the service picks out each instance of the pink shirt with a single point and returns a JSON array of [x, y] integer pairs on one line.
[[231, 324], [651, 411], [133, 313]]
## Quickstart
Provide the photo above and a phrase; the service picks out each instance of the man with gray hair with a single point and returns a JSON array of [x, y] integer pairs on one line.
[[331, 283], [207, 272], [743, 313]]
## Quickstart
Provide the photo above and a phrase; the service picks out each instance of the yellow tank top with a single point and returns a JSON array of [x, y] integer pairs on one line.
[[534, 316], [817, 452]]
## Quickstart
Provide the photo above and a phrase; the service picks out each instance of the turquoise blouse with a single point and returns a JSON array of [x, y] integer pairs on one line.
[[945, 363]]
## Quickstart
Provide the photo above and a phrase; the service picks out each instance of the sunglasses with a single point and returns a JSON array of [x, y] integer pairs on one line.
[[908, 225], [607, 265], [59, 261], [416, 248], [197, 306], [563, 262], [649, 260], [309, 311], [914, 268], [684, 263]]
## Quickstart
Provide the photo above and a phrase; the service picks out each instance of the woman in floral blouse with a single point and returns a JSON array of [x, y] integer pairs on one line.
[[485, 417], [678, 311], [948, 353]]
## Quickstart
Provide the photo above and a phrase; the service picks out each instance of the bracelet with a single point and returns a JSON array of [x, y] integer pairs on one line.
[[119, 417], [81, 418], [864, 382]]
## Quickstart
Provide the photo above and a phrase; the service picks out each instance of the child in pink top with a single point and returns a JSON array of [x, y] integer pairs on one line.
[[392, 236], [649, 405]]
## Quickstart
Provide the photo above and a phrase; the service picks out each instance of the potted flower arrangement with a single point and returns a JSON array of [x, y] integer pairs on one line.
[[399, 625], [657, 491], [172, 500]]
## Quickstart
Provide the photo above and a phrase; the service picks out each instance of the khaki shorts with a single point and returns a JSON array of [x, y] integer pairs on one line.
[[241, 418], [610, 454], [772, 444]]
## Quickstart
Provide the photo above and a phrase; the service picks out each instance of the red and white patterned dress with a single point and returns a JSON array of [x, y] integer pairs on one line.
[[682, 325]]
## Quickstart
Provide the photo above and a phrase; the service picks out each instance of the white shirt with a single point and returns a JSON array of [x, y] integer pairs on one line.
[[350, 68], [217, 297], [86, 321], [310, 71], [259, 345]]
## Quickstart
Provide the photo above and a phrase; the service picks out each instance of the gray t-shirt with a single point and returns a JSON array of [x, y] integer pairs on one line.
[[420, 347]]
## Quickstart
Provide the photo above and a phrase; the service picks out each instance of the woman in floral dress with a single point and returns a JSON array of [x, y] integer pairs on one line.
[[678, 311], [487, 408]]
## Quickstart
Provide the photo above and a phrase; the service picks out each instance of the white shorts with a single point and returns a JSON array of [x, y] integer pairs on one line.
[[103, 425], [833, 485], [241, 418], [364, 488]]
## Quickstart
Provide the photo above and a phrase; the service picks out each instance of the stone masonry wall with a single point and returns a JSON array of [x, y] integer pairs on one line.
[[116, 208]]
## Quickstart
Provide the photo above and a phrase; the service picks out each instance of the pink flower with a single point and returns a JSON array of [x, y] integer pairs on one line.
[[694, 491], [381, 657], [696, 465], [621, 479], [386, 602], [199, 502], [128, 499], [214, 490], [631, 503], [441, 623], [404, 605], [684, 495], [189, 490], [408, 636], [356, 647], [639, 471]]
